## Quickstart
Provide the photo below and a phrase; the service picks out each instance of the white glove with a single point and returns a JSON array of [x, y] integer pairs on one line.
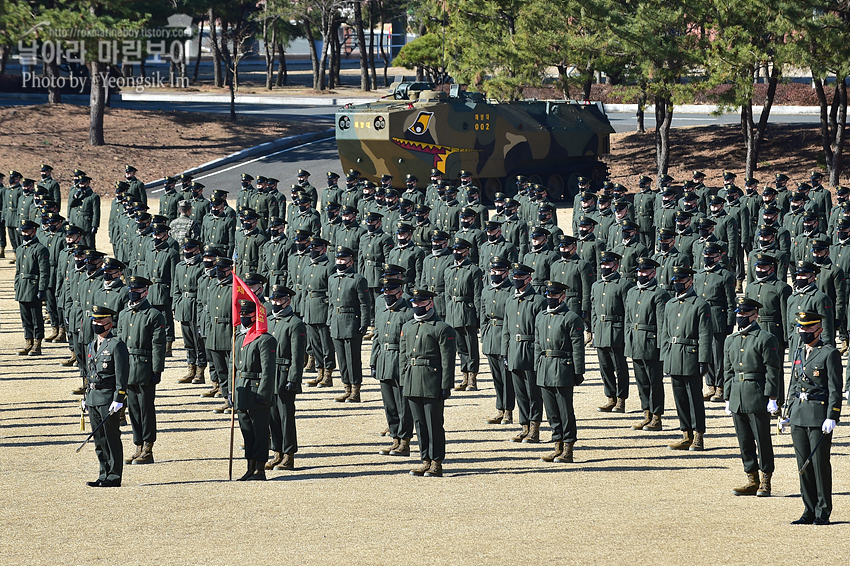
[[115, 406], [83, 404], [783, 425], [828, 426], [772, 407], [727, 410], [847, 394]]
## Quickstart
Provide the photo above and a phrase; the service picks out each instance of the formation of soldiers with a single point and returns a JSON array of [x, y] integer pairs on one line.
[[690, 282]]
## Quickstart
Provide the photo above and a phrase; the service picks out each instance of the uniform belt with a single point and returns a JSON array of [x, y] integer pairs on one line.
[[101, 386], [157, 280], [371, 262], [804, 396], [346, 310], [557, 354], [766, 318], [570, 294], [496, 321], [524, 337], [139, 352], [460, 299], [221, 320], [744, 376], [420, 361], [432, 288], [250, 375], [391, 347], [29, 277], [190, 294], [610, 318], [278, 272], [284, 362], [318, 294], [646, 327], [685, 341]]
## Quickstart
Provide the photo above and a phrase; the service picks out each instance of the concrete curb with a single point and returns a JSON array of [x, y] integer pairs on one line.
[[712, 108], [268, 147]]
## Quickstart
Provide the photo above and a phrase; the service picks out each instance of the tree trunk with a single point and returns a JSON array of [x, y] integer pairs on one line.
[[663, 119], [54, 94], [314, 56], [384, 56], [198, 57], [218, 79], [832, 127], [336, 56], [270, 45], [226, 56], [372, 44], [282, 74], [232, 101], [326, 41], [824, 121], [97, 102], [172, 73], [361, 47], [641, 127], [749, 130], [587, 83], [4, 58], [773, 81]]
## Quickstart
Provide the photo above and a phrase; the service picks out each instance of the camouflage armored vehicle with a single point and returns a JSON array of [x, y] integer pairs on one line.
[[416, 128]]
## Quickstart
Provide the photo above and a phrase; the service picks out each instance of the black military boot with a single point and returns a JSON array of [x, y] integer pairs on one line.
[[251, 465]]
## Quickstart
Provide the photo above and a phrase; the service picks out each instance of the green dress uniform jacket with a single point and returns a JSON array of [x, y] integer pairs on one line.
[[307, 220], [541, 262], [579, 276], [349, 236], [159, 266], [493, 300], [810, 299], [668, 260], [717, 287], [816, 376], [773, 294], [422, 235], [168, 204], [782, 258], [108, 368], [831, 282], [219, 231], [265, 204], [501, 248], [630, 251], [433, 279], [685, 242], [727, 230], [686, 335], [256, 370], [248, 252], [296, 263], [410, 257], [348, 304], [752, 369], [476, 237], [142, 328], [644, 319], [200, 208], [32, 271], [374, 250], [114, 295], [220, 315], [274, 259], [645, 214], [290, 334], [84, 210], [607, 311], [590, 249], [52, 186], [518, 329], [315, 277], [386, 344], [184, 289], [137, 190], [463, 294], [515, 230], [558, 348], [10, 211], [427, 349]]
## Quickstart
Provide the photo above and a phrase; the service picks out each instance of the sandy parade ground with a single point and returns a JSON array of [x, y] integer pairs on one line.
[[627, 498]]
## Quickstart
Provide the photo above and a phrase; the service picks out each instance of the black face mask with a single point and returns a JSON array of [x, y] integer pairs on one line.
[[664, 246], [543, 217], [247, 226], [807, 337], [246, 321], [209, 264], [499, 209], [420, 218], [276, 308], [390, 300], [518, 283], [90, 268], [704, 233], [710, 261], [160, 244], [341, 267], [436, 247], [510, 211], [801, 283], [134, 296], [371, 227], [465, 224], [497, 278], [109, 277], [222, 274], [403, 241], [459, 256], [79, 263], [606, 271], [300, 246], [679, 288], [643, 279], [742, 321], [553, 302], [493, 237], [819, 259], [215, 212], [420, 311], [98, 328], [332, 215], [27, 237]]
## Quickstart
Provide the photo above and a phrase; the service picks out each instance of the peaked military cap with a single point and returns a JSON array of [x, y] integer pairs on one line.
[[712, 249], [546, 207], [402, 227], [609, 256], [647, 263], [303, 173], [348, 210], [411, 178], [820, 242], [246, 306], [583, 181], [843, 224], [280, 291], [628, 225], [137, 281], [129, 169], [80, 249], [769, 191], [374, 217], [728, 175], [498, 262], [252, 278], [665, 178], [94, 255], [669, 193], [681, 272], [45, 168], [747, 304], [422, 208], [223, 262], [765, 230], [77, 173], [781, 177], [70, 230], [342, 251], [765, 259], [439, 235], [101, 311], [303, 234], [683, 215], [464, 173], [422, 295], [816, 175], [389, 283], [587, 195], [492, 225], [587, 221], [539, 231], [28, 225], [169, 180], [211, 250], [807, 318], [461, 244], [521, 269], [807, 267], [804, 187], [467, 212], [698, 175], [112, 263], [159, 228], [318, 242], [189, 243], [842, 190], [714, 199], [247, 177], [666, 234], [555, 288], [749, 181], [390, 268], [436, 173], [644, 180], [706, 222], [566, 240]]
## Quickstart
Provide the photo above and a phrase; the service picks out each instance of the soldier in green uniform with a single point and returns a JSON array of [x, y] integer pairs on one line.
[[308, 189], [373, 253], [665, 214], [767, 244], [469, 230], [644, 315], [716, 286], [84, 210], [495, 246], [159, 265], [427, 353], [75, 275], [256, 370], [686, 334], [814, 406], [407, 255], [607, 317], [521, 309], [348, 318], [52, 237], [331, 193], [463, 281], [296, 262], [206, 280], [629, 249], [806, 297], [200, 205], [315, 277], [540, 257], [515, 229], [589, 247], [304, 217], [413, 193], [587, 208], [142, 328], [136, 191], [170, 198], [248, 248], [390, 316], [219, 319], [822, 197], [10, 212], [275, 253], [752, 375], [668, 256], [218, 229], [245, 192], [184, 298], [434, 267], [559, 367], [645, 212], [685, 235], [114, 293], [576, 274], [423, 227], [108, 368], [831, 282], [349, 234], [494, 295], [32, 279], [64, 268], [332, 221]]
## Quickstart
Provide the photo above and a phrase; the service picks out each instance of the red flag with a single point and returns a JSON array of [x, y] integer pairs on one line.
[[261, 325]]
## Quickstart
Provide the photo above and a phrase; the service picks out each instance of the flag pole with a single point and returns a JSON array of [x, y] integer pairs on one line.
[[232, 396]]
